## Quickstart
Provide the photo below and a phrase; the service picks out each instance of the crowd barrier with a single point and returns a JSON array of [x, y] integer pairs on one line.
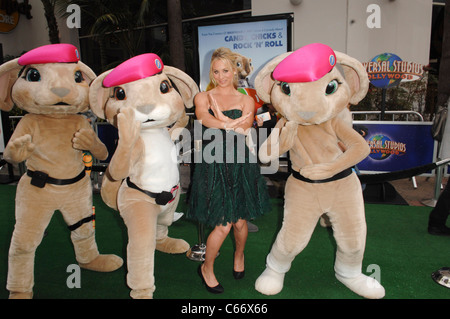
[[109, 135], [424, 152]]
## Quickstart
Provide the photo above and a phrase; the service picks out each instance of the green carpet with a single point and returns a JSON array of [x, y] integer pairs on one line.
[[397, 243]]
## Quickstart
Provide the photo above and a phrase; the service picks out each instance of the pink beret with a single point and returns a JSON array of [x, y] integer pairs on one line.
[[136, 68], [307, 64], [51, 53]]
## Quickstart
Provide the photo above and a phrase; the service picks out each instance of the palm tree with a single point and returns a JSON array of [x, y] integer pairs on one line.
[[176, 47], [53, 32], [111, 19], [124, 23]]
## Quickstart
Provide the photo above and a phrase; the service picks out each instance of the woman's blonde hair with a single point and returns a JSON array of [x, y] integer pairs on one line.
[[227, 56]]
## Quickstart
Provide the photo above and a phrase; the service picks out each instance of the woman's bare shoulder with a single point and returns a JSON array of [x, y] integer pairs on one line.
[[200, 97], [247, 100]]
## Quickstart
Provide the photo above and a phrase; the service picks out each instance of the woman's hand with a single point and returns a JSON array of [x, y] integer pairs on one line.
[[228, 123], [216, 110], [233, 124]]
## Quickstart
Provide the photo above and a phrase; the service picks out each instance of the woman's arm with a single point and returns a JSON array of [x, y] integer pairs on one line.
[[248, 115], [203, 102], [202, 106]]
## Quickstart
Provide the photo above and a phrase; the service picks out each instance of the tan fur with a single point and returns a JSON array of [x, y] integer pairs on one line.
[[50, 138], [312, 127], [147, 222]]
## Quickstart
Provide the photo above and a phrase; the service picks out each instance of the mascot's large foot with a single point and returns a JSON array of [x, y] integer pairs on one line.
[[20, 295], [104, 263], [269, 282], [142, 293], [364, 286], [172, 246]]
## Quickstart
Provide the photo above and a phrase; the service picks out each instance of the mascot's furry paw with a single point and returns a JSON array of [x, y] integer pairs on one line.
[[172, 246], [269, 282], [364, 286], [20, 295], [104, 263]]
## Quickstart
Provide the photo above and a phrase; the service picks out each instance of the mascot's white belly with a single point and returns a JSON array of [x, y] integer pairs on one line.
[[160, 167]]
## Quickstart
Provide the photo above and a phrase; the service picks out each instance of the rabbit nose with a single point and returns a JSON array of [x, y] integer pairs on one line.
[[61, 92], [145, 109]]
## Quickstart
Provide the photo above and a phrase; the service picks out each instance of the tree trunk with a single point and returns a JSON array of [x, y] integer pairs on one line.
[[53, 32], [103, 57], [176, 45], [444, 69]]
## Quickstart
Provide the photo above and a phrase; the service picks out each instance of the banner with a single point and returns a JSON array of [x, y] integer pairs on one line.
[[258, 42], [396, 146]]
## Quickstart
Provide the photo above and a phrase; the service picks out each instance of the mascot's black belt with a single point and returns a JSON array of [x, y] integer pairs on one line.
[[81, 222], [161, 198], [39, 179], [340, 175]]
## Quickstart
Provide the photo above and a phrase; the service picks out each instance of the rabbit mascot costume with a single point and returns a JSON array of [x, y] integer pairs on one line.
[[312, 88], [142, 179], [52, 85]]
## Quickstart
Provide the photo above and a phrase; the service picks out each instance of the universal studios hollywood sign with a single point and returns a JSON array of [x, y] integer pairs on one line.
[[387, 70]]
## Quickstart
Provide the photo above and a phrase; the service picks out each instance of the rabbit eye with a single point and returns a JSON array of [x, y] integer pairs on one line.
[[119, 93], [33, 75], [78, 77], [165, 87], [285, 88], [332, 87]]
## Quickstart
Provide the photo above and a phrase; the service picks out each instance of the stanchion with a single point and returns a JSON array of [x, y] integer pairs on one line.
[[438, 183], [197, 252], [437, 189], [390, 176]]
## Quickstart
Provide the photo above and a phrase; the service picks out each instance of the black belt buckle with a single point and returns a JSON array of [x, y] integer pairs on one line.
[[39, 179], [163, 198]]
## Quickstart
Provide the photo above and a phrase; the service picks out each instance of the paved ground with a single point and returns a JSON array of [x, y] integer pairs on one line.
[[421, 195]]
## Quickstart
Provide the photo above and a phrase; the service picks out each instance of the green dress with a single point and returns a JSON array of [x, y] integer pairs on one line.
[[227, 184]]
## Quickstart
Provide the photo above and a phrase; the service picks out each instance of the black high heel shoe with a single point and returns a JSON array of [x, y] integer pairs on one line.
[[238, 274], [215, 290]]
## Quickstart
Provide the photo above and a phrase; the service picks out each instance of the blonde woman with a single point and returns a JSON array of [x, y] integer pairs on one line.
[[228, 190]]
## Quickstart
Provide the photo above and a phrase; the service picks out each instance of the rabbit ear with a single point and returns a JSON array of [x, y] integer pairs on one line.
[[98, 95], [186, 86], [355, 75], [88, 74], [8, 75], [264, 81]]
